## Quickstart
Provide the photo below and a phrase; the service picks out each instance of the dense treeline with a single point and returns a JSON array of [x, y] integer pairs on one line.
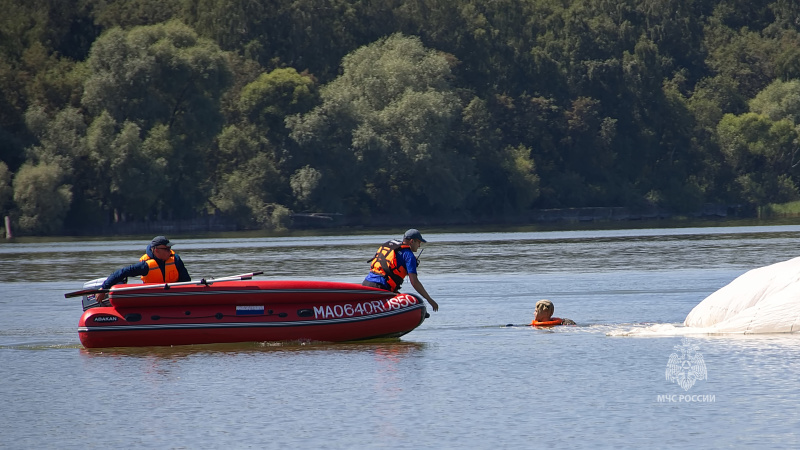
[[146, 110]]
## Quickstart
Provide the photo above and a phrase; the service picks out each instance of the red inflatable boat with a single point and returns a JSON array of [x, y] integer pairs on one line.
[[235, 310]]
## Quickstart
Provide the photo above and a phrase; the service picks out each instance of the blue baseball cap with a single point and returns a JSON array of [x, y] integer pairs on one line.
[[160, 240], [414, 234]]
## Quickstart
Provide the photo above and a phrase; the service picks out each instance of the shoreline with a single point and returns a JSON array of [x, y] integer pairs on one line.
[[429, 226]]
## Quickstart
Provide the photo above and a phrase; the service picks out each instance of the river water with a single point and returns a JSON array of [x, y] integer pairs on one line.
[[463, 379]]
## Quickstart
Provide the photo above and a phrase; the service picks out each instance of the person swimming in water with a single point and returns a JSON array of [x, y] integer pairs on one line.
[[543, 315]]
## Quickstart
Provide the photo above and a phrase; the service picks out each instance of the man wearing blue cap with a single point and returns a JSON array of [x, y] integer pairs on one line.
[[159, 264], [395, 260]]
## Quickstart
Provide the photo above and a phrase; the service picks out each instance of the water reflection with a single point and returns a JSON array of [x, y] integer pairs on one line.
[[385, 348]]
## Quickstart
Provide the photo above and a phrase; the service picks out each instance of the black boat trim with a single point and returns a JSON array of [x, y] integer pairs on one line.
[[120, 295], [238, 325]]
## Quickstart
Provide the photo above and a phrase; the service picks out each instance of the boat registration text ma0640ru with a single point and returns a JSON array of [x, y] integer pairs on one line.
[[364, 308]]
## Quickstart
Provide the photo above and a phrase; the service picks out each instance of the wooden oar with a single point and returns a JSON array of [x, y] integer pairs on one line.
[[203, 281]]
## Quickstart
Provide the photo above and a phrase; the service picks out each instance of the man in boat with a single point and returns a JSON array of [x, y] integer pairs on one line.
[[395, 260], [543, 315], [159, 264]]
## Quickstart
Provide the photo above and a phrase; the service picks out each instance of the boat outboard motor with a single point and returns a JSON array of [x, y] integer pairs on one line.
[[89, 300]]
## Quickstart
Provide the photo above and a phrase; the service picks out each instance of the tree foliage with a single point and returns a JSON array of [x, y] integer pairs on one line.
[[42, 197], [763, 154], [6, 191], [151, 102], [176, 109], [779, 100], [386, 118]]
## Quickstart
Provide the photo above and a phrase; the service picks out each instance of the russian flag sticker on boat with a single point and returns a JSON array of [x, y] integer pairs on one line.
[[246, 310]]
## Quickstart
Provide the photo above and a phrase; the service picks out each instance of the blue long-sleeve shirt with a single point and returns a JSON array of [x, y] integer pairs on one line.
[[141, 269]]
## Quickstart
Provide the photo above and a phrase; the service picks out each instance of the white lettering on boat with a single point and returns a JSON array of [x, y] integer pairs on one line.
[[364, 308], [105, 319]]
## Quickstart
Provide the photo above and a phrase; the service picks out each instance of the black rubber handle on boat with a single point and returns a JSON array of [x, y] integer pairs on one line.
[[246, 276]]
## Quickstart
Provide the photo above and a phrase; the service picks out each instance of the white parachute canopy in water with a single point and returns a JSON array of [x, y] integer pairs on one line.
[[763, 300]]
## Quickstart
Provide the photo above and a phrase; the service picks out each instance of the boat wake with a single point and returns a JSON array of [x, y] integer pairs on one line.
[[760, 301], [661, 329]]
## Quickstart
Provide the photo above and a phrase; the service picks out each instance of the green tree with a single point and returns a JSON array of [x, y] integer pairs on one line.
[[381, 132], [6, 191], [523, 182], [132, 160], [249, 185], [40, 44], [507, 181], [42, 198], [304, 184], [744, 55], [779, 100], [310, 35], [274, 95], [162, 76], [131, 13], [763, 155], [61, 137], [160, 73]]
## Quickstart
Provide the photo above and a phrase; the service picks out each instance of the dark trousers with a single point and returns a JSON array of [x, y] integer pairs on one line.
[[376, 285]]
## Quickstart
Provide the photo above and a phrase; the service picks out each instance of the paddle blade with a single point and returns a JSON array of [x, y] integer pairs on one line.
[[84, 292]]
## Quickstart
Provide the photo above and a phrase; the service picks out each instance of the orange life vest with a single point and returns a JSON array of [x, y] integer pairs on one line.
[[155, 275], [550, 323], [387, 264]]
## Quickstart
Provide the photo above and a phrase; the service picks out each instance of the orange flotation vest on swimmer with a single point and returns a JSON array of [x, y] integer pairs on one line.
[[549, 323], [386, 264], [155, 275]]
